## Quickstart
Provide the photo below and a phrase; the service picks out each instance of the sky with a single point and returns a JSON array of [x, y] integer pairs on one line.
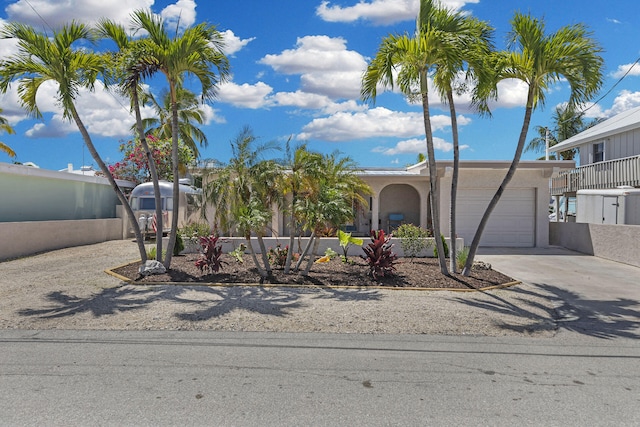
[[296, 69]]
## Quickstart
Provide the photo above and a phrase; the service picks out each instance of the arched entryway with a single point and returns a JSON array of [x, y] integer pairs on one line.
[[399, 204]]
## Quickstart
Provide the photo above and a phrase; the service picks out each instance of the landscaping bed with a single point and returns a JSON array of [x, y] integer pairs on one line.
[[416, 273]]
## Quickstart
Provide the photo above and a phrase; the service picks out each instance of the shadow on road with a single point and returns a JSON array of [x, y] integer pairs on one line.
[[194, 303], [614, 318]]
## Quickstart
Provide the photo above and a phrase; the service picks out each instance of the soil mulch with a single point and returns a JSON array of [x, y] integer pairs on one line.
[[419, 273]]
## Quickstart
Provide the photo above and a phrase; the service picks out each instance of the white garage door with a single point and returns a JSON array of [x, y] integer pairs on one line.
[[511, 224]]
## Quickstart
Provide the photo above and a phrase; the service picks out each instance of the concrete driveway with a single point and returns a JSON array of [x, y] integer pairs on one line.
[[595, 296]]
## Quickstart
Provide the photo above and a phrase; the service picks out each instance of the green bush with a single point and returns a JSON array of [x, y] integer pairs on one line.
[[412, 239], [195, 229], [179, 246], [461, 257], [446, 248]]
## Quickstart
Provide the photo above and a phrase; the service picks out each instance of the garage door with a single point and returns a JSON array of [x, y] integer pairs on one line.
[[511, 224]]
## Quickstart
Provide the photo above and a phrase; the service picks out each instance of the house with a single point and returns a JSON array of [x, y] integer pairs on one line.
[[609, 158], [402, 196], [603, 189]]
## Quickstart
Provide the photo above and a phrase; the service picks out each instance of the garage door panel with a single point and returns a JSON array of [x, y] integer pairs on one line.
[[512, 222]]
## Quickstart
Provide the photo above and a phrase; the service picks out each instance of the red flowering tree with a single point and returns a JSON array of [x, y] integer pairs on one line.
[[135, 168]]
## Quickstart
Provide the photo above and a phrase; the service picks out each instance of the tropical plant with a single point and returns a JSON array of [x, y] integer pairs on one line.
[[406, 61], [413, 239], [128, 67], [190, 112], [196, 52], [135, 165], [210, 254], [238, 253], [41, 58], [379, 256], [302, 172], [338, 192], [539, 59], [244, 191], [278, 255], [4, 127], [346, 239], [466, 41]]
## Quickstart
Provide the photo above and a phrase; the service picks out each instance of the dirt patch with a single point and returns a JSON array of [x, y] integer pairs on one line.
[[419, 273]]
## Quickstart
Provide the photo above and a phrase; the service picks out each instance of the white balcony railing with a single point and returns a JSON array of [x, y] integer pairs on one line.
[[608, 174]]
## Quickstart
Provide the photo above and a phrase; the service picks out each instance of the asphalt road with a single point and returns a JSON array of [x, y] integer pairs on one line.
[[81, 378]]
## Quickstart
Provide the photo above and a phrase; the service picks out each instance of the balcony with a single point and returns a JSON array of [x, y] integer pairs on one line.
[[602, 175]]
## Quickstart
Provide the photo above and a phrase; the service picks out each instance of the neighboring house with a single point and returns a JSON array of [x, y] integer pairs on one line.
[[402, 196], [609, 158]]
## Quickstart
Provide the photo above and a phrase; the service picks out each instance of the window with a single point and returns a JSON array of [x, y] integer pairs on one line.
[[598, 152], [147, 203]]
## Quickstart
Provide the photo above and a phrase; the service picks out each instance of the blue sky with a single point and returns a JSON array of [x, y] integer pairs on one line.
[[296, 68]]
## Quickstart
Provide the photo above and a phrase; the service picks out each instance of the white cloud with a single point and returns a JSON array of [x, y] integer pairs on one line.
[[325, 65], [415, 146], [376, 122], [379, 12], [631, 69], [179, 15], [246, 95], [511, 93], [57, 13], [233, 43], [103, 113]]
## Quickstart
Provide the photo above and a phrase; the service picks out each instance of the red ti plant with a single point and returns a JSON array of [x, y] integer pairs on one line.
[[210, 254], [378, 255]]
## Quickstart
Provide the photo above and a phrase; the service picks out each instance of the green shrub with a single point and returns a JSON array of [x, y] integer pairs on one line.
[[151, 253], [179, 246], [461, 257], [278, 255], [195, 229], [446, 248], [412, 239], [238, 253]]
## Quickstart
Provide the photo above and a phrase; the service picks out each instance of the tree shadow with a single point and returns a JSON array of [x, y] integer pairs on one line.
[[614, 318], [208, 302]]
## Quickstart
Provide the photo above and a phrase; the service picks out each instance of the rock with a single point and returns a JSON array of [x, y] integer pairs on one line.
[[481, 265], [152, 267]]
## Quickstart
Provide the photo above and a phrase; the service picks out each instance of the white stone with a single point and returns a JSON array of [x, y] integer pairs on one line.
[[152, 267]]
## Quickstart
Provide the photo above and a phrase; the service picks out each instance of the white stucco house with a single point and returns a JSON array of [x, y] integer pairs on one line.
[[402, 196]]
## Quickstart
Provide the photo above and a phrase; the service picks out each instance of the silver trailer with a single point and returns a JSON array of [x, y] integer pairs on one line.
[[142, 202]]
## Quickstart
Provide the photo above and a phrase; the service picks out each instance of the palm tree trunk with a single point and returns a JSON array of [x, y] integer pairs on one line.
[[176, 176], [292, 223], [105, 170], [261, 271], [433, 176], [312, 257], [265, 258], [454, 184], [496, 197], [306, 250], [152, 171]]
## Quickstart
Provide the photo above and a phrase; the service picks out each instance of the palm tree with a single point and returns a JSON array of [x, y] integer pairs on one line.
[[4, 127], [128, 68], [189, 112], [414, 57], [331, 202], [300, 178], [196, 52], [469, 43], [41, 58], [566, 123], [539, 60], [244, 192]]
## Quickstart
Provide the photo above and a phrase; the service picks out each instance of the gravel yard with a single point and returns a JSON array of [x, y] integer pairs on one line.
[[68, 289]]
